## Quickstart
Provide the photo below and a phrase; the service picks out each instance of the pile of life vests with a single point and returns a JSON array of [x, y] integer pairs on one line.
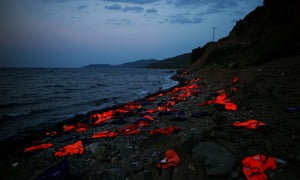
[[253, 166], [176, 95]]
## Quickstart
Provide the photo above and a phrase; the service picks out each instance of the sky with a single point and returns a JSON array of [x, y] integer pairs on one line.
[[75, 33]]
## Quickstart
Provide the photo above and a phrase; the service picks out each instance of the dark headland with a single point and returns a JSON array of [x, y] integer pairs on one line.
[[257, 66]]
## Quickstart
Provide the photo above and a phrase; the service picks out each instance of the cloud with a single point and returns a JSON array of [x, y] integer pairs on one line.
[[150, 11], [183, 19], [58, 1], [223, 4], [211, 11], [114, 7], [136, 9], [218, 4], [189, 2], [81, 7], [197, 20], [123, 21], [134, 1]]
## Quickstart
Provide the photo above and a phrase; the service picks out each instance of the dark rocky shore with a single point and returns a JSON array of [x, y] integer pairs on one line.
[[208, 144]]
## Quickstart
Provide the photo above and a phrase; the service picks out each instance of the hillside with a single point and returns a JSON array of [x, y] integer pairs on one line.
[[267, 33], [139, 63], [180, 61], [134, 64]]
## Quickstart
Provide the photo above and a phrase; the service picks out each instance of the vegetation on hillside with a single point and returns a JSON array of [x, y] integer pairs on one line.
[[269, 32], [180, 61]]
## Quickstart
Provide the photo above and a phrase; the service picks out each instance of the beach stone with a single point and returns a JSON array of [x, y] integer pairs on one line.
[[217, 159], [92, 147], [99, 151], [113, 174]]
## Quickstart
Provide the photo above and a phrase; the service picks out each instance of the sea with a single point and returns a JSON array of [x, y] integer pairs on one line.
[[41, 97]]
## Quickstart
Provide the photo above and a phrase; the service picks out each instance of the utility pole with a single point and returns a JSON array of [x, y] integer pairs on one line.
[[213, 37]]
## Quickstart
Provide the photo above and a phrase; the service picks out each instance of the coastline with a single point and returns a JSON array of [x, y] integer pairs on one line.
[[13, 144], [258, 96]]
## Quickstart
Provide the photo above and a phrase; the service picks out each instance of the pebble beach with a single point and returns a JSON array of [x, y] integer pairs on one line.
[[187, 119]]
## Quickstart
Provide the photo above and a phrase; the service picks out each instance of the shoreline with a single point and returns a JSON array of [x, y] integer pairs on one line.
[[258, 96], [35, 132]]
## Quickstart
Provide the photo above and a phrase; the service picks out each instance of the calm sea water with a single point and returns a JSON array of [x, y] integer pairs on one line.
[[42, 96]]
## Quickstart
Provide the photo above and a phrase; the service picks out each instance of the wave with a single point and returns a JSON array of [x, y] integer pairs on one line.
[[15, 104], [54, 86], [58, 98], [7, 116]]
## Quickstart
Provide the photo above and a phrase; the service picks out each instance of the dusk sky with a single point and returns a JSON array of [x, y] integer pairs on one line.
[[74, 33]]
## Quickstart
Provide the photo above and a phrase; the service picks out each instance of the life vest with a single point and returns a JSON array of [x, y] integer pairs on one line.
[[71, 149], [249, 124], [38, 147], [68, 127], [151, 111], [101, 117], [160, 94], [131, 131], [148, 117], [81, 127], [170, 103], [171, 160], [223, 100], [133, 128], [167, 130], [234, 89], [149, 99], [105, 134], [133, 105], [235, 79], [220, 99], [51, 133], [254, 166], [195, 80], [121, 111], [221, 91], [230, 106]]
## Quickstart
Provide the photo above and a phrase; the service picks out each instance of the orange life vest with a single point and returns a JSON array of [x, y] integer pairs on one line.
[[230, 106], [81, 127], [254, 166], [235, 79], [68, 127], [105, 134], [38, 147], [71, 149], [131, 131], [151, 98], [133, 128], [249, 124], [167, 130], [104, 116], [148, 117], [171, 160], [51, 133], [151, 111]]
